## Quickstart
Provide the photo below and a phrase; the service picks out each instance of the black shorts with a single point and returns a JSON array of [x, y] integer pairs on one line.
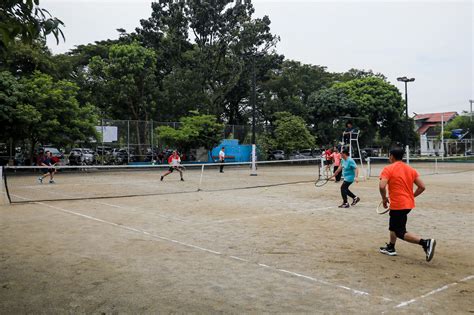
[[47, 170], [327, 162], [173, 168], [398, 220]]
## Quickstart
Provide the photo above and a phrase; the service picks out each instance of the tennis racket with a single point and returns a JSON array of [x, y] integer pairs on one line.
[[321, 182], [381, 209]]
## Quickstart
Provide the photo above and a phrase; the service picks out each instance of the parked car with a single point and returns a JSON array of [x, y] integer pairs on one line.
[[371, 152], [296, 155], [276, 155], [122, 156], [309, 153], [82, 156]]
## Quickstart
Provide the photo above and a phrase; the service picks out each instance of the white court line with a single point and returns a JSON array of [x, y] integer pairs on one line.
[[405, 303], [163, 238]]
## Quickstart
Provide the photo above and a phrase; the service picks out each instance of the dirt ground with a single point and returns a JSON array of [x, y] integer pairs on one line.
[[278, 249]]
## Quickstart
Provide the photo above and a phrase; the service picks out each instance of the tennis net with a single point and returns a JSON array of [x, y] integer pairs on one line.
[[425, 165], [22, 183]]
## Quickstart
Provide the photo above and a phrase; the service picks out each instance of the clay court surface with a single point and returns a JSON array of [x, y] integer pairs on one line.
[[277, 249]]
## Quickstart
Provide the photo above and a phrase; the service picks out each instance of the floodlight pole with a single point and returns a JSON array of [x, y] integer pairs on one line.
[[407, 129], [472, 131], [254, 99]]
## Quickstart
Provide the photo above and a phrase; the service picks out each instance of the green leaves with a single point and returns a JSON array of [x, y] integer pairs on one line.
[[375, 104], [195, 131], [291, 133], [23, 19]]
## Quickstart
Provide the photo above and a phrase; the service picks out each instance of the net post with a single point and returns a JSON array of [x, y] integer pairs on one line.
[[436, 165], [4, 186], [200, 179], [368, 167], [254, 159], [407, 150]]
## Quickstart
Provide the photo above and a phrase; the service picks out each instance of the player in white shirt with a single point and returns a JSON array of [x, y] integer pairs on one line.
[[222, 159], [174, 161]]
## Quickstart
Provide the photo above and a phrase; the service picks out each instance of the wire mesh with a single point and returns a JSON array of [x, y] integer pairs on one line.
[[100, 182]]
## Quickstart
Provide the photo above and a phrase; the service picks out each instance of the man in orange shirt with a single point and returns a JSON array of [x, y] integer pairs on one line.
[[400, 179]]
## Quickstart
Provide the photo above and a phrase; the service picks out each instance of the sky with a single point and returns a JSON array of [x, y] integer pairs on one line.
[[431, 41]]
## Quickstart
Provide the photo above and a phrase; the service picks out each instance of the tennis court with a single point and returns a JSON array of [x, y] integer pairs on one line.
[[243, 244]]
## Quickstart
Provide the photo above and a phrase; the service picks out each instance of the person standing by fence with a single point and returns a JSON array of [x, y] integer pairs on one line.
[[222, 159]]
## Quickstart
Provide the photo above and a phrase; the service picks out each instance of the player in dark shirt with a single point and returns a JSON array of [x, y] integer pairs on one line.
[[47, 161]]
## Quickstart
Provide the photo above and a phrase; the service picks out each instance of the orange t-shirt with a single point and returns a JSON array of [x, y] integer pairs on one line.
[[401, 178]]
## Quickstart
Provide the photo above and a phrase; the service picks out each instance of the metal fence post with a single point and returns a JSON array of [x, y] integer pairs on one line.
[[128, 141]]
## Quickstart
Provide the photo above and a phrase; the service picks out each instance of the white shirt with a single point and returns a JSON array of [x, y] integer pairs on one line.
[[221, 155], [175, 161]]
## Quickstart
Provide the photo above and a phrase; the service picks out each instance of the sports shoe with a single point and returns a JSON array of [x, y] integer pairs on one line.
[[344, 205], [161, 179], [389, 249], [429, 248], [51, 182], [355, 201], [182, 179], [40, 180]]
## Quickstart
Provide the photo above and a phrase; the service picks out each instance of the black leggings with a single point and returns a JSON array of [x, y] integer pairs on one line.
[[338, 176], [346, 192]]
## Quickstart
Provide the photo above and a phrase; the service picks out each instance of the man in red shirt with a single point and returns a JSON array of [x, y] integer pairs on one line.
[[327, 162], [400, 178], [174, 161]]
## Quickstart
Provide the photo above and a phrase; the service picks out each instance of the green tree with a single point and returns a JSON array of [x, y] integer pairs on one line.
[[289, 89], [194, 131], [291, 133], [24, 59], [213, 71], [58, 116], [375, 104], [123, 85], [463, 122], [11, 111], [24, 19], [125, 81]]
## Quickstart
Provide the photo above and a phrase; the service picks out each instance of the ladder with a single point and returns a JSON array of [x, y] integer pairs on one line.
[[354, 144]]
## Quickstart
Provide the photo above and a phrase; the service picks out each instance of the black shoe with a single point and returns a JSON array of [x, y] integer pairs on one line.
[[344, 205], [161, 178], [389, 249], [355, 201], [429, 248], [182, 180]]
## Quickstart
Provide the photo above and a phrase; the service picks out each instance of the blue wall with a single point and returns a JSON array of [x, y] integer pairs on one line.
[[240, 152]]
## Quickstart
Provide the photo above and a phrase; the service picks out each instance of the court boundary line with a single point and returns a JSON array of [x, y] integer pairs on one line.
[[195, 247], [432, 292]]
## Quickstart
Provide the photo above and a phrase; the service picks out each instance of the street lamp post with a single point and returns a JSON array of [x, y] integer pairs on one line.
[[254, 118], [407, 129]]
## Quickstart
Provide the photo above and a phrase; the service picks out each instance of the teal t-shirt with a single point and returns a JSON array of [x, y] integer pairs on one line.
[[348, 169]]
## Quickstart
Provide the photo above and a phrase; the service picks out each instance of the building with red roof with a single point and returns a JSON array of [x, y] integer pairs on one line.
[[425, 126]]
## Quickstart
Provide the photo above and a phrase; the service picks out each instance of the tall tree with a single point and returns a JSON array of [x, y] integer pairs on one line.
[[125, 85], [291, 133], [375, 104], [57, 115], [24, 19]]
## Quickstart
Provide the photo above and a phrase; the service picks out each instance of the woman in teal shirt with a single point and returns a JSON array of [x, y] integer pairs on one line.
[[350, 172]]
